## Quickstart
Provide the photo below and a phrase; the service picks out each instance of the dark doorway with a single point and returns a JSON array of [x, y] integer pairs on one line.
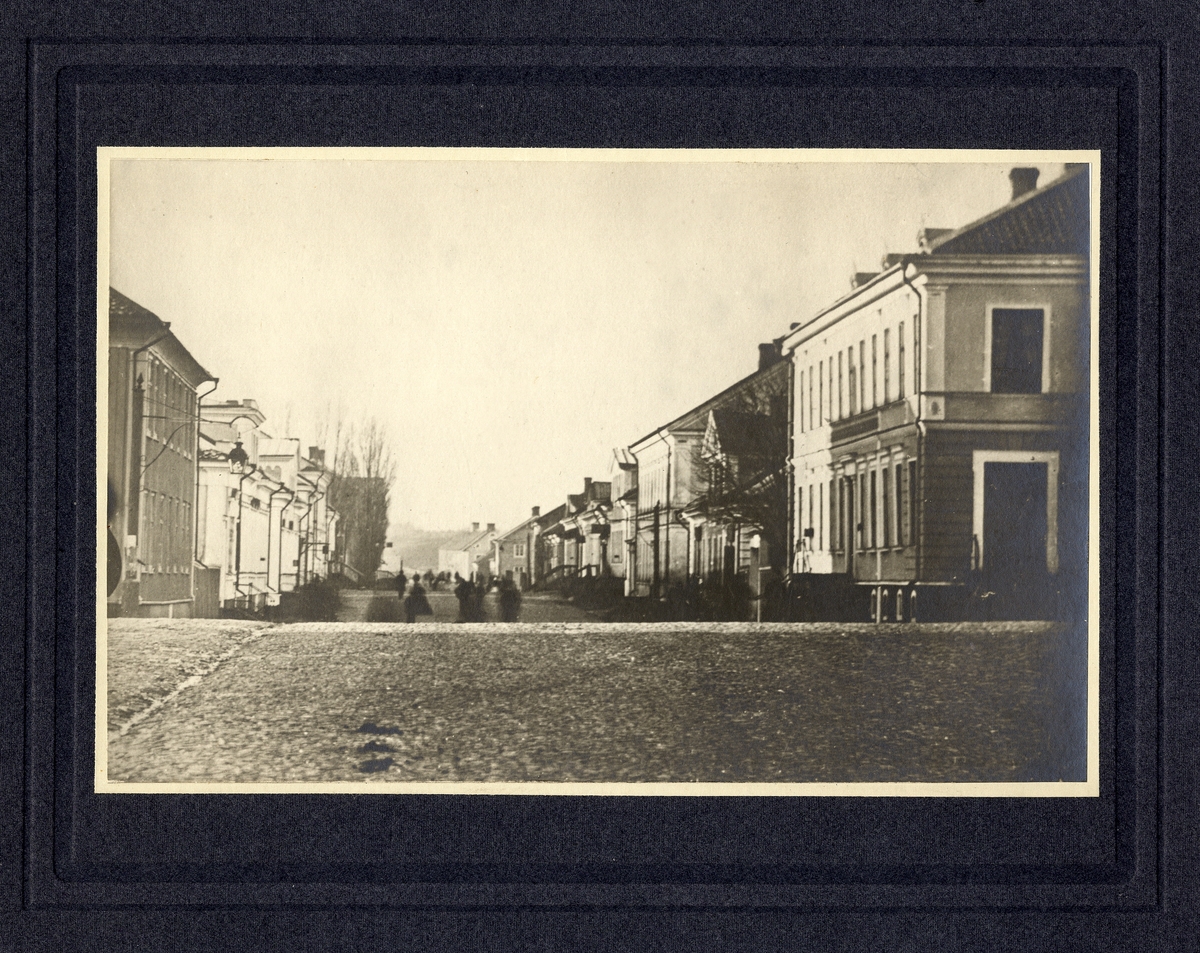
[[1014, 535]]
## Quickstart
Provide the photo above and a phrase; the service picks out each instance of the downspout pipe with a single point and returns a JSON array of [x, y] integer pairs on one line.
[[237, 560], [300, 579], [666, 573], [918, 389], [280, 546], [196, 499], [282, 488]]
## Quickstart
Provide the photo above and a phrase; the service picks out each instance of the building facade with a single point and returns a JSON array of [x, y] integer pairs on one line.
[[513, 551], [939, 415], [268, 528], [665, 506], [152, 445], [469, 555]]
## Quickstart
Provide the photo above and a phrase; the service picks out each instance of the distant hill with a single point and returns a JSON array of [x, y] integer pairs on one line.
[[417, 548]]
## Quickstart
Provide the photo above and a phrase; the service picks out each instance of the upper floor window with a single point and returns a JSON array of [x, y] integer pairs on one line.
[[887, 365], [1017, 342], [853, 388]]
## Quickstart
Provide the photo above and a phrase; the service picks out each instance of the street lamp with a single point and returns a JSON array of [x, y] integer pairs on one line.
[[239, 466], [238, 459]]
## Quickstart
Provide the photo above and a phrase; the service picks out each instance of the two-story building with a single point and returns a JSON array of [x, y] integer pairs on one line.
[[265, 523], [470, 554], [152, 441], [939, 415], [663, 505], [513, 551]]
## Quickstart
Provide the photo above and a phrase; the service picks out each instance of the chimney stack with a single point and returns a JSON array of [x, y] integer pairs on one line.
[[1023, 181], [474, 527], [491, 527], [768, 354], [537, 511]]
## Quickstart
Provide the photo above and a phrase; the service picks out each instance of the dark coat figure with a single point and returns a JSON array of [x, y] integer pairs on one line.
[[510, 601], [401, 583], [415, 603], [464, 593], [478, 591]]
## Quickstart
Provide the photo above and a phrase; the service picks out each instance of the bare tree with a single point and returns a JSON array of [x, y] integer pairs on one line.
[[364, 470], [744, 457]]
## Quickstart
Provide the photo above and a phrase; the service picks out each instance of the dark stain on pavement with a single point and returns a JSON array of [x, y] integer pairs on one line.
[[375, 765], [370, 728], [375, 746]]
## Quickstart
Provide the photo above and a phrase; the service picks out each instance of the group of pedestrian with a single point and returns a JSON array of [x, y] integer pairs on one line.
[[415, 601], [470, 595]]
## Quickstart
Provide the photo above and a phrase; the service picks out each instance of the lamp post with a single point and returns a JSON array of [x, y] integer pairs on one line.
[[240, 467]]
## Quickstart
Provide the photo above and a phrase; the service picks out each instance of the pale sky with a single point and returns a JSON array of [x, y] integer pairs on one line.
[[509, 322]]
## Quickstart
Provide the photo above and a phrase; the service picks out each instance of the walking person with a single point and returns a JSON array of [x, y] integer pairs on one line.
[[463, 593], [510, 601], [415, 603], [478, 591]]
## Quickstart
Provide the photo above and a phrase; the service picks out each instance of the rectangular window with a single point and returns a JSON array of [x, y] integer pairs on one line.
[[1017, 340], [874, 370], [801, 393], [811, 524], [519, 550], [853, 389], [839, 526], [874, 513], [900, 363], [832, 512], [799, 521], [839, 390], [810, 400], [821, 395], [862, 374], [912, 526], [863, 510], [887, 366], [820, 518], [887, 507], [899, 506], [831, 388]]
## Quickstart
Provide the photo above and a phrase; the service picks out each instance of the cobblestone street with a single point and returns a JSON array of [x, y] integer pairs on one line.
[[221, 700]]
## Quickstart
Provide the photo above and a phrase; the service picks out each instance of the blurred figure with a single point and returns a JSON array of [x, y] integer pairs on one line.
[[415, 603], [510, 601], [479, 589], [464, 594], [401, 584]]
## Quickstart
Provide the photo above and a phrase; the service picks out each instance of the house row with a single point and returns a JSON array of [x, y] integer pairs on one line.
[[207, 511], [921, 440]]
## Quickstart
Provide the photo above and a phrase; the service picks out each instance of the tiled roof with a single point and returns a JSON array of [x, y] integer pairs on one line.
[[696, 419], [1052, 220], [464, 542]]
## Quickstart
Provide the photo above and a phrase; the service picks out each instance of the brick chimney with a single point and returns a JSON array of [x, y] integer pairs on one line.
[[491, 527], [537, 511], [1023, 182], [474, 527], [587, 485], [768, 354]]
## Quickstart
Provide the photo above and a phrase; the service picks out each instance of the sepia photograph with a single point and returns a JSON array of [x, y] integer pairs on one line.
[[592, 472]]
